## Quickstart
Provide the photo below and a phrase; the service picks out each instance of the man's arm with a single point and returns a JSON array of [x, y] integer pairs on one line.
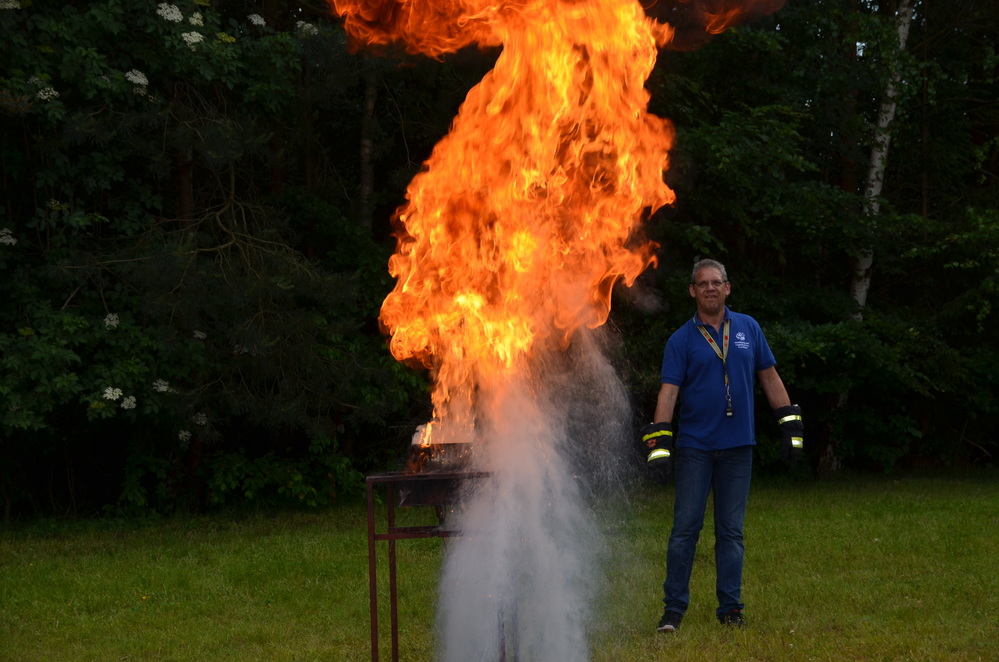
[[665, 403], [773, 387], [788, 416]]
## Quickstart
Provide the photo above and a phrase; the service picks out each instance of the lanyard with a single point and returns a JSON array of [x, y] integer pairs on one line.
[[723, 355]]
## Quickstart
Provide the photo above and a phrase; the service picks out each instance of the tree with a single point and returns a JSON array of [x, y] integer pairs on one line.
[[166, 340], [773, 122], [879, 155], [177, 170]]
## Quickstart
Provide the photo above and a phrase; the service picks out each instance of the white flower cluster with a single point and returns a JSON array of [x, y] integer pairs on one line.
[[192, 38], [184, 435], [140, 81], [111, 321], [114, 394], [161, 386], [256, 19], [200, 335], [307, 29], [169, 12], [45, 92], [10, 4], [199, 419], [196, 19], [7, 237], [137, 77]]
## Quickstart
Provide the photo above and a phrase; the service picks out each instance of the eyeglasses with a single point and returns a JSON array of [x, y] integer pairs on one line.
[[704, 284]]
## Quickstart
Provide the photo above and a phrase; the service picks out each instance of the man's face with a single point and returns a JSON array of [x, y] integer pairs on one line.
[[709, 291]]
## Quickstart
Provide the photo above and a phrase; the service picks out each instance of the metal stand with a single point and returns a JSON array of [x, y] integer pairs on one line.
[[437, 490]]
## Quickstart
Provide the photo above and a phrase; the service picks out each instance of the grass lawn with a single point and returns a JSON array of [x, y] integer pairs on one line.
[[861, 569]]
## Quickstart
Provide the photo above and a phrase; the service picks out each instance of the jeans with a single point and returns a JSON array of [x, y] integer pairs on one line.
[[727, 473]]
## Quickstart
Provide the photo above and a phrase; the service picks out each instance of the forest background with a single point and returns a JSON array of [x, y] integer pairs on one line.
[[196, 221]]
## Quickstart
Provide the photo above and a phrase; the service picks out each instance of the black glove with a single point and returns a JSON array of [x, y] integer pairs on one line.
[[791, 429], [657, 444]]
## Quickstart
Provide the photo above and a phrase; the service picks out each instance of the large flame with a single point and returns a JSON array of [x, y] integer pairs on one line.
[[511, 240], [527, 212]]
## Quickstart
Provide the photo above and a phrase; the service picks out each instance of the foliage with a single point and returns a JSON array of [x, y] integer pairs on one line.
[[774, 126], [185, 311], [193, 261]]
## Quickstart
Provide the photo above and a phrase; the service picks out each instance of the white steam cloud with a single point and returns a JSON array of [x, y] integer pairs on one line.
[[522, 579]]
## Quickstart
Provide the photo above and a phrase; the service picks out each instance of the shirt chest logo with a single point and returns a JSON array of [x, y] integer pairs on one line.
[[740, 340]]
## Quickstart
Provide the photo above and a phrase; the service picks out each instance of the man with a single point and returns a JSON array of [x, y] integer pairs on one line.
[[710, 361]]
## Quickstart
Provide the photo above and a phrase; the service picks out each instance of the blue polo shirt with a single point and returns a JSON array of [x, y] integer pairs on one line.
[[690, 363]]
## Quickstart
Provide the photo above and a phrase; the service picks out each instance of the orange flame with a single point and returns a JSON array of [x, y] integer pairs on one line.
[[720, 15], [526, 214]]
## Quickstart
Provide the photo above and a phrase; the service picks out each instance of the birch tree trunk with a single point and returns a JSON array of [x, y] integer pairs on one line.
[[829, 461], [862, 264]]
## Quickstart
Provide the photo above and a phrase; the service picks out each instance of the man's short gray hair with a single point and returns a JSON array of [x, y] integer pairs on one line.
[[708, 264]]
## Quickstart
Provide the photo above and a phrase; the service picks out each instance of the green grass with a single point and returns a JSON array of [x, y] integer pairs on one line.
[[865, 569], [861, 570]]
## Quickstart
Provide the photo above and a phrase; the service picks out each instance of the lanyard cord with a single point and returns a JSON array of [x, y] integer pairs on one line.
[[723, 355]]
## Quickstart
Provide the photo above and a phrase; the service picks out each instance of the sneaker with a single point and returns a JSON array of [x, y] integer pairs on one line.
[[733, 617], [670, 622]]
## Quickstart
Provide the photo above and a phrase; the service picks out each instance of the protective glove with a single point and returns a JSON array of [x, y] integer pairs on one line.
[[791, 429], [657, 442]]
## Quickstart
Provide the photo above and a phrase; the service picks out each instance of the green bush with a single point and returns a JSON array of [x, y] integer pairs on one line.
[[188, 319]]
